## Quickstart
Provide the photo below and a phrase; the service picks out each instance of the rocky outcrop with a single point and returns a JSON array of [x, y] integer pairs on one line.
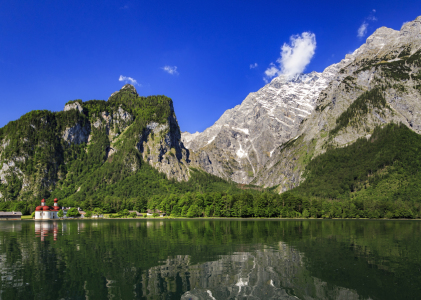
[[161, 147], [9, 168], [75, 105], [116, 121], [77, 134]]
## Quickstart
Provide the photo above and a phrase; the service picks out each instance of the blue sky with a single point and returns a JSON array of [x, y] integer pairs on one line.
[[205, 55]]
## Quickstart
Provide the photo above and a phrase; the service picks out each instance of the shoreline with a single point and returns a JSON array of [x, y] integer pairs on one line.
[[210, 218]]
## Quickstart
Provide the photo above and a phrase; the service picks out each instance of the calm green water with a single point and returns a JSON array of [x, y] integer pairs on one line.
[[210, 259]]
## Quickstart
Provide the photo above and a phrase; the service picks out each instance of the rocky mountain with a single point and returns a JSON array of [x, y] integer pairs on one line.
[[380, 84], [43, 149], [244, 138], [269, 139]]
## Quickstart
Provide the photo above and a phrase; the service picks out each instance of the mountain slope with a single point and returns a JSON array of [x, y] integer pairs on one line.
[[240, 143], [381, 85], [384, 167], [270, 138]]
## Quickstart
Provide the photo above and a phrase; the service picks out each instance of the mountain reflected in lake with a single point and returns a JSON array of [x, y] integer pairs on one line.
[[210, 259]]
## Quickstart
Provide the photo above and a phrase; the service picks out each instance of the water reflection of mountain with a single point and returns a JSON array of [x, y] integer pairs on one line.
[[272, 273]]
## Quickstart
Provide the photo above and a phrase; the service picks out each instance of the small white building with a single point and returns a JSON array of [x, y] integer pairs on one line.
[[45, 212]]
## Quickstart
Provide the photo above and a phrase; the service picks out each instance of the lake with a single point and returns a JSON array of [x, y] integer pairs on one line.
[[210, 259]]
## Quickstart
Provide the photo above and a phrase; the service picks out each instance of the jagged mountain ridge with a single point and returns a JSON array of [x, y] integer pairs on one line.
[[240, 143]]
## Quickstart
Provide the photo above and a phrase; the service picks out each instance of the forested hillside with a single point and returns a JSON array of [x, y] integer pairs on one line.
[[379, 176]]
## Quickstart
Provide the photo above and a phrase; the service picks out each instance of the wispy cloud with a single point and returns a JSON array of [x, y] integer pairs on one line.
[[362, 30], [170, 70], [295, 56], [127, 79], [124, 7], [252, 66]]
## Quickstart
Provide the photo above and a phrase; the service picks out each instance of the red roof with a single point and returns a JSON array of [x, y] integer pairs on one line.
[[55, 200], [43, 200], [46, 208], [39, 208]]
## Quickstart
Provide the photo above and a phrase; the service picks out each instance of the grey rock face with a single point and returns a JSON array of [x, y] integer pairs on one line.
[[77, 134], [75, 105], [11, 168], [113, 123], [161, 147]]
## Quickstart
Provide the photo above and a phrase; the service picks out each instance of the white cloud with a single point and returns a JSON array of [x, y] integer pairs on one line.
[[252, 66], [295, 56], [272, 70], [170, 70], [362, 30], [128, 80]]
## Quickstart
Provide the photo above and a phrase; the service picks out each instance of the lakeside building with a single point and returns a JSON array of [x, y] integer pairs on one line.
[[45, 212], [10, 215]]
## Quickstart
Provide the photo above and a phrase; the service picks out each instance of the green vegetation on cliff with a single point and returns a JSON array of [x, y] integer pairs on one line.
[[359, 108]]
